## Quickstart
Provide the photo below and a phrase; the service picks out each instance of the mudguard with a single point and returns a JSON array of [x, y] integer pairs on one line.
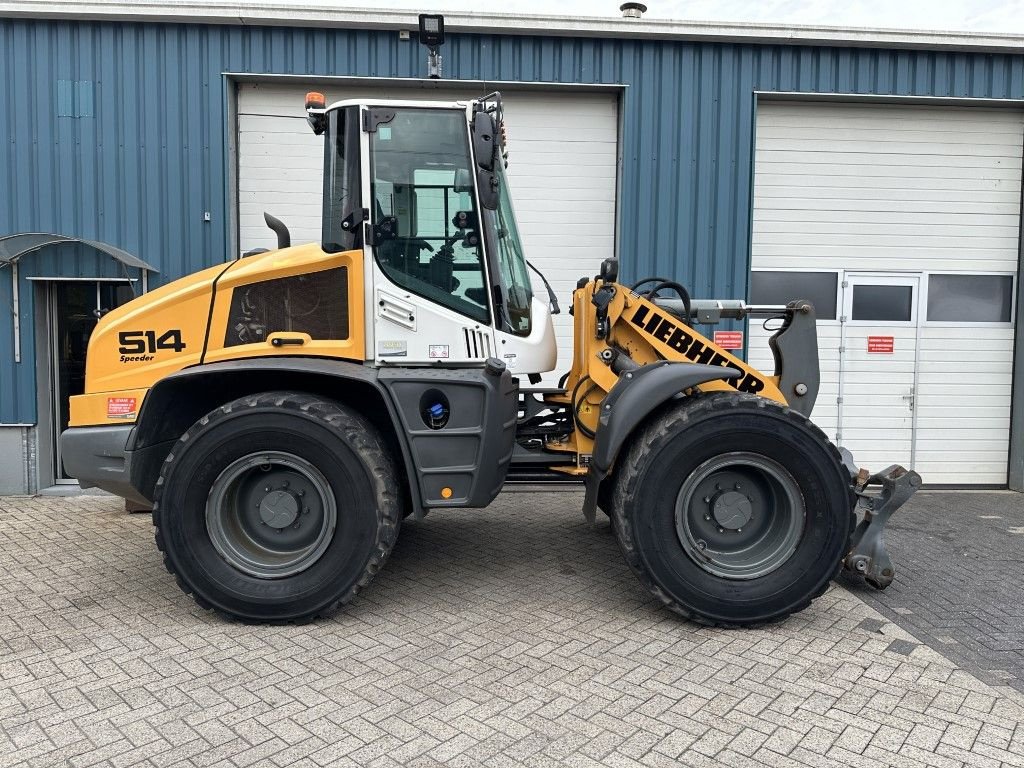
[[635, 395]]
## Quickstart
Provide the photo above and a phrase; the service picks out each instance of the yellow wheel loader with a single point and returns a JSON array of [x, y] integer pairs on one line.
[[282, 413]]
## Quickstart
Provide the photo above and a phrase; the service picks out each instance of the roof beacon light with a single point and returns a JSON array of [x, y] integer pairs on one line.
[[432, 36], [316, 111]]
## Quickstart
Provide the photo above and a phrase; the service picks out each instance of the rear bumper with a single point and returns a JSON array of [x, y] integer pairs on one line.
[[97, 457]]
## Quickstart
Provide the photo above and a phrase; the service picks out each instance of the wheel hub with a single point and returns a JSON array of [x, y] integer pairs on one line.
[[279, 509], [732, 510], [271, 514], [739, 515]]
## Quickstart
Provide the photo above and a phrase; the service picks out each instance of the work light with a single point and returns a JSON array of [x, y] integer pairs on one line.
[[431, 29]]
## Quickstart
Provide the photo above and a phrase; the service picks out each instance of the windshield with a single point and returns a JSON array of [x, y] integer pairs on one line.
[[511, 260]]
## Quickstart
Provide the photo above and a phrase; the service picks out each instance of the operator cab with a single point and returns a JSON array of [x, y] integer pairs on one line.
[[421, 188]]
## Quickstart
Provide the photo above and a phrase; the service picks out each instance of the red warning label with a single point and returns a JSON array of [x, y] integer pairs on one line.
[[883, 345], [121, 407], [729, 339]]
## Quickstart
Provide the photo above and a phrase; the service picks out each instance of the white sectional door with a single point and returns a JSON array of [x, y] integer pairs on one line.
[[928, 191], [563, 149]]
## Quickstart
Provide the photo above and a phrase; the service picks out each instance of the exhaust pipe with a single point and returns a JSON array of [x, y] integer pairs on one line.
[[284, 237]]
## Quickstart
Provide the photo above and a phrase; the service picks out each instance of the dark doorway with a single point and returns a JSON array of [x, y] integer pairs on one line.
[[74, 308]]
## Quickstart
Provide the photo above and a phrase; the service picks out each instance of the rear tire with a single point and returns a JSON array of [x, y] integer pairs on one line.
[[732, 510], [277, 507]]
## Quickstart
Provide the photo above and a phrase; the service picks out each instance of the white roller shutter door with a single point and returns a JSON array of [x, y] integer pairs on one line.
[[863, 190], [562, 150]]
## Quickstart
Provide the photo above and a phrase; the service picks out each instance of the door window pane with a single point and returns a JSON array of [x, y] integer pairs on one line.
[[888, 303], [819, 288], [970, 298], [426, 231]]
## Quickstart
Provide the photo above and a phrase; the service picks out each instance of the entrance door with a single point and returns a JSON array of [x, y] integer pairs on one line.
[[75, 306], [878, 368]]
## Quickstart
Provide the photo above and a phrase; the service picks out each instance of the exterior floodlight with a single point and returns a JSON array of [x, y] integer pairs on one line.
[[432, 36], [431, 29]]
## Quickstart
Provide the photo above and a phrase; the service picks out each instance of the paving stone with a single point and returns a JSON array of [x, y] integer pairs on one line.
[[957, 585], [514, 636]]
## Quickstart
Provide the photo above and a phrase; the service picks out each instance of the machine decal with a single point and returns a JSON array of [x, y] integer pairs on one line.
[[438, 351], [121, 408], [392, 348], [669, 332], [140, 346]]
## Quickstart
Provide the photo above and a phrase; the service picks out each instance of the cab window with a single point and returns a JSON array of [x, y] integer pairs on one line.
[[426, 235]]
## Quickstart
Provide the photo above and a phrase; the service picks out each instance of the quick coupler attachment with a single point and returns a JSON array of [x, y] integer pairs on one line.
[[878, 496]]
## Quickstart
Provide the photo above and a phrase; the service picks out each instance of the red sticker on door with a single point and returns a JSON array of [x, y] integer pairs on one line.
[[883, 345], [121, 407], [729, 339]]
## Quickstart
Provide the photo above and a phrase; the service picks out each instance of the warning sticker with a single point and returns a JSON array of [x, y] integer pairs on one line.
[[438, 351], [883, 345], [121, 407], [729, 339]]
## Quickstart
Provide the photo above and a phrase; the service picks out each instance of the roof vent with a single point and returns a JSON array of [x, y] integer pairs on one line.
[[633, 10]]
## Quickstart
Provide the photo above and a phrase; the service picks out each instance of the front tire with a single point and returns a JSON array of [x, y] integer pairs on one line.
[[732, 509], [277, 507]]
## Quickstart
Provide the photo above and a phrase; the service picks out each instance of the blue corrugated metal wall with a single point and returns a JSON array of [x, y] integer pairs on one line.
[[116, 132]]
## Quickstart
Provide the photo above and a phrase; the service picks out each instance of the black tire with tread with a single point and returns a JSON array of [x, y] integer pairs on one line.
[[650, 472], [341, 444]]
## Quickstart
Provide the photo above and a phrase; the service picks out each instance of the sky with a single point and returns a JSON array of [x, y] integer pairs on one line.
[[951, 15]]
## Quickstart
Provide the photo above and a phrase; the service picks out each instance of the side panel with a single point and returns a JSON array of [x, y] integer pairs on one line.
[[285, 292], [462, 454]]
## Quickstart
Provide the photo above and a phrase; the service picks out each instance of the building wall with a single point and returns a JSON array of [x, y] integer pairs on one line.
[[118, 132]]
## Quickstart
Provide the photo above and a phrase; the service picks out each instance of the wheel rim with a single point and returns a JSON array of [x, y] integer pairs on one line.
[[740, 515], [271, 514]]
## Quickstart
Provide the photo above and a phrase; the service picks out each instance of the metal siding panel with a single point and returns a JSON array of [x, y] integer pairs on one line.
[[153, 157]]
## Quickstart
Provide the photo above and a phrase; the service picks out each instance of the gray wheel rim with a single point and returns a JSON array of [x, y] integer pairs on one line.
[[271, 514], [740, 515]]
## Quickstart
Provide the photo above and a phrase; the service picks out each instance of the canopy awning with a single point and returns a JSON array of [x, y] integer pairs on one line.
[[14, 247]]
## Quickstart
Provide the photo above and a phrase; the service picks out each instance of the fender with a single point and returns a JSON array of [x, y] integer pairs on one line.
[[162, 420], [635, 395]]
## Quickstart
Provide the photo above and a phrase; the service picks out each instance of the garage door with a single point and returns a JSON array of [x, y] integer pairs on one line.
[[901, 223], [562, 152]]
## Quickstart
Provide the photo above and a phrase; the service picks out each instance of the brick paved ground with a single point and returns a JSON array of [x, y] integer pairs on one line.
[[960, 580], [514, 636]]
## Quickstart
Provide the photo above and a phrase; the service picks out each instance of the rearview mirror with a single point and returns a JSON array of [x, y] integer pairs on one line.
[[484, 141]]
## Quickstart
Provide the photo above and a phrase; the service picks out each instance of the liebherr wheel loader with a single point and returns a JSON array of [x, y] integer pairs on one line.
[[282, 413]]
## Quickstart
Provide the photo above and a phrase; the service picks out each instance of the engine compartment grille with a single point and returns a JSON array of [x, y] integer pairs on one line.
[[315, 303]]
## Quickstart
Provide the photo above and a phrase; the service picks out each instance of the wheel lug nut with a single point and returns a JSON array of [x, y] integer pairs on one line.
[[266, 489], [285, 484], [305, 511], [737, 486], [739, 530], [707, 499], [707, 517], [301, 493], [721, 530]]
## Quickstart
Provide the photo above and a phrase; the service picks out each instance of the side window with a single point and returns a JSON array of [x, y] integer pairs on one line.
[[425, 223]]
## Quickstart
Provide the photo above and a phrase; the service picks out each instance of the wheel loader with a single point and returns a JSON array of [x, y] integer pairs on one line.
[[282, 413]]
